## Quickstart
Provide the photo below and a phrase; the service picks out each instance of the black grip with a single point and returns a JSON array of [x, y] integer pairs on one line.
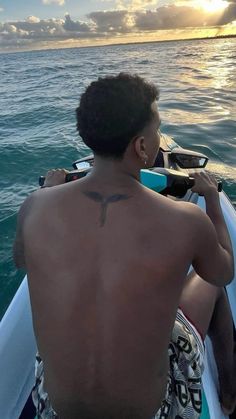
[[74, 175], [41, 181], [220, 186]]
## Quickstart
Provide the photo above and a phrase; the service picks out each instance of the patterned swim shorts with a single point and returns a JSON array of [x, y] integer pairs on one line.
[[183, 398], [40, 397]]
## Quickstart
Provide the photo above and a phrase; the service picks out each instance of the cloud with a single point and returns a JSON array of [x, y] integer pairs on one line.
[[110, 21], [31, 31], [33, 27], [134, 5], [58, 2], [182, 16], [229, 14], [72, 26], [37, 28], [170, 17], [32, 19]]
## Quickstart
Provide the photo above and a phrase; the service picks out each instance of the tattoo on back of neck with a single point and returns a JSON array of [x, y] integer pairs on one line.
[[104, 201]]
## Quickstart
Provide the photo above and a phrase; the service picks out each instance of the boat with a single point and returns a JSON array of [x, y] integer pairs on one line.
[[17, 342]]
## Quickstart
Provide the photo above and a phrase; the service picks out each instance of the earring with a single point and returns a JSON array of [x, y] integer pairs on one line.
[[145, 160]]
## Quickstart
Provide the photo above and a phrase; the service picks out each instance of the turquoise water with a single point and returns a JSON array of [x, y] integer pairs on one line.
[[40, 91]]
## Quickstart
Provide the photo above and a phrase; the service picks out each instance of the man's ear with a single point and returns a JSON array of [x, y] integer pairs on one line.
[[140, 147]]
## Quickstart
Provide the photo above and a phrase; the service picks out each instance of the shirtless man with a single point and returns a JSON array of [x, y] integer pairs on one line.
[[208, 308], [106, 260]]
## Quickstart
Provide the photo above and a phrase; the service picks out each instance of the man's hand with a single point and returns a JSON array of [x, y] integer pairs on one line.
[[205, 183], [55, 177]]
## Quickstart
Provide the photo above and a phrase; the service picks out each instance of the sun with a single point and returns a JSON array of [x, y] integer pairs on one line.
[[212, 6]]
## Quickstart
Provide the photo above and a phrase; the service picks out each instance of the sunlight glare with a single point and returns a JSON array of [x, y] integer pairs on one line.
[[212, 6]]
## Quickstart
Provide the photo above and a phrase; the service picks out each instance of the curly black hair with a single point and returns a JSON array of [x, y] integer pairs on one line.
[[113, 110]]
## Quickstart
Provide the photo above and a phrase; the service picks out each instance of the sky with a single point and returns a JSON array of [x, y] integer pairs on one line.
[[42, 24]]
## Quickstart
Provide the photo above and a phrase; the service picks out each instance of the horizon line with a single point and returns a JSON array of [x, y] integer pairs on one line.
[[123, 43]]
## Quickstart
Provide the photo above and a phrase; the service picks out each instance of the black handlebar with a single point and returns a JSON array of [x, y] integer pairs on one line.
[[177, 183]]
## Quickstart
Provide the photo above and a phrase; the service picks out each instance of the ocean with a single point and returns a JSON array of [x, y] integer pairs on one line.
[[40, 91]]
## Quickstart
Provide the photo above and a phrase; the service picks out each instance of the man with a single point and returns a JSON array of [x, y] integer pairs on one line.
[[106, 260]]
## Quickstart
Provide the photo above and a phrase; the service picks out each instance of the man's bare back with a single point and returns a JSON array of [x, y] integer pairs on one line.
[[106, 261], [99, 294]]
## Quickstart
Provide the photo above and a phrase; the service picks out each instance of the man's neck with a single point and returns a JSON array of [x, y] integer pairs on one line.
[[115, 171]]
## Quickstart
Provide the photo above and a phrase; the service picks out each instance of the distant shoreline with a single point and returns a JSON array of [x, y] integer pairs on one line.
[[162, 41], [124, 43]]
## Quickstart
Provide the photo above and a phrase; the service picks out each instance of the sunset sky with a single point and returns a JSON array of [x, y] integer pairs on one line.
[[40, 24]]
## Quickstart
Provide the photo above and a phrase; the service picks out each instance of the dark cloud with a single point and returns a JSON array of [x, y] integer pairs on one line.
[[169, 17], [229, 14], [71, 25], [174, 17], [110, 21]]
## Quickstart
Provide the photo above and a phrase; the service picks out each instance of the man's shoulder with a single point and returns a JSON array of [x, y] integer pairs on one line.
[[183, 213], [175, 205], [188, 208], [32, 205], [191, 212], [26, 206]]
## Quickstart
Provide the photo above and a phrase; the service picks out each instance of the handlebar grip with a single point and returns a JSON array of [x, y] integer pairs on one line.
[[220, 186], [74, 175], [41, 181]]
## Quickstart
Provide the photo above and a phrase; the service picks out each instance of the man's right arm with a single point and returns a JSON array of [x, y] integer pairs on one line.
[[214, 260]]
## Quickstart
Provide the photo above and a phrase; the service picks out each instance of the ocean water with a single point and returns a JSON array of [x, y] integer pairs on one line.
[[40, 91]]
